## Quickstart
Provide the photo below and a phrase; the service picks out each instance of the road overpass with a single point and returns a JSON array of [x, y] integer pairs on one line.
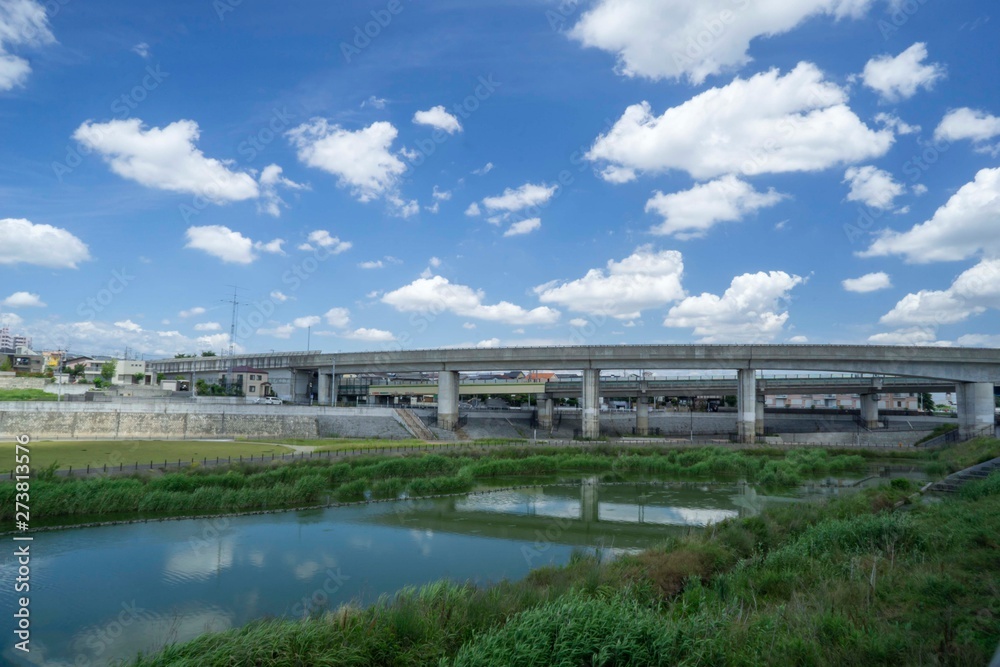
[[972, 371]]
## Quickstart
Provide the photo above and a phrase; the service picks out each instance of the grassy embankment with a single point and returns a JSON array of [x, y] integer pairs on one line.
[[252, 487], [851, 582], [374, 444], [26, 395], [80, 454]]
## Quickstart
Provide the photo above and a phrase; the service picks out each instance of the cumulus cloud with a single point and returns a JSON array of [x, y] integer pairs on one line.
[[22, 23], [208, 326], [361, 160], [895, 123], [228, 245], [338, 317], [871, 282], [666, 39], [899, 78], [873, 187], [523, 227], [964, 226], [806, 125], [279, 296], [438, 118], [909, 336], [23, 300], [526, 196], [971, 124], [24, 242], [306, 322], [166, 159], [323, 239], [645, 279], [436, 294], [194, 312], [369, 335], [691, 213], [747, 312], [972, 293], [473, 210], [485, 169], [107, 336], [270, 180]]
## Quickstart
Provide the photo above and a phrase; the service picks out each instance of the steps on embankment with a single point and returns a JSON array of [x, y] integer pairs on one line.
[[953, 482], [414, 425]]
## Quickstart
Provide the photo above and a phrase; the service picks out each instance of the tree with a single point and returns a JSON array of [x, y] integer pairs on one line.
[[160, 377], [5, 365], [730, 401], [138, 377], [181, 355], [928, 402], [78, 371], [108, 370], [208, 353]]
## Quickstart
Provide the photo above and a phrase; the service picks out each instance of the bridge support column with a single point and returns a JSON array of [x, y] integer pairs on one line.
[[591, 425], [334, 384], [975, 408], [869, 411], [447, 400], [642, 416], [589, 507], [323, 391], [759, 414], [746, 408], [546, 410]]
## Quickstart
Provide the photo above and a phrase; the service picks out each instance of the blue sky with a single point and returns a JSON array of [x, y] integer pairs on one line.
[[498, 173]]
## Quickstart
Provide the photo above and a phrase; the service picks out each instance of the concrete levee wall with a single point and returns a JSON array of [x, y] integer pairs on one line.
[[152, 420]]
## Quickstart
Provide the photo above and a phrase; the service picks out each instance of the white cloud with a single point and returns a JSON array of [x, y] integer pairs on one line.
[[975, 290], [469, 326], [898, 78], [579, 322], [23, 300], [644, 280], [964, 226], [270, 180], [910, 336], [435, 294], [434, 262], [323, 239], [166, 159], [798, 340], [871, 282], [141, 49], [965, 123], [691, 213], [284, 331], [279, 296], [128, 325], [485, 169], [375, 264], [361, 160], [513, 200], [438, 118], [523, 227], [306, 322], [488, 344], [747, 312], [22, 23], [473, 210], [441, 195], [194, 312], [377, 102], [896, 124], [111, 338], [338, 317], [369, 335], [806, 125], [873, 187], [667, 39], [979, 340], [208, 326], [227, 245], [24, 242]]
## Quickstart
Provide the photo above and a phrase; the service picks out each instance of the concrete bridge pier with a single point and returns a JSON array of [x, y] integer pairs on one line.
[[759, 414], [746, 405], [447, 413], [975, 408], [869, 410], [642, 416], [323, 391], [546, 411], [591, 402]]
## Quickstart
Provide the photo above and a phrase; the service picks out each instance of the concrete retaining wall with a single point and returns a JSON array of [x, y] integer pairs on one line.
[[162, 420], [8, 382]]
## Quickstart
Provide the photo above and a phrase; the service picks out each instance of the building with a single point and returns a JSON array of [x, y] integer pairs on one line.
[[10, 343], [251, 381], [127, 369], [91, 366], [840, 401], [26, 360]]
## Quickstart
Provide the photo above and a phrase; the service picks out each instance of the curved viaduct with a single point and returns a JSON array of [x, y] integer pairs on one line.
[[974, 371]]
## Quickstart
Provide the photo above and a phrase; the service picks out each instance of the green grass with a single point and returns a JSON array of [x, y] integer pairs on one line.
[[967, 454], [938, 431], [850, 582], [79, 454], [26, 395]]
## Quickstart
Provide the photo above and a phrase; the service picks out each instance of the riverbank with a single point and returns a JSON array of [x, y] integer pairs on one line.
[[847, 582], [251, 487]]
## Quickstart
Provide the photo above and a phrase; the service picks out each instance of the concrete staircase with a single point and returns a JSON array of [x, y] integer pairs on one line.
[[953, 482], [414, 425]]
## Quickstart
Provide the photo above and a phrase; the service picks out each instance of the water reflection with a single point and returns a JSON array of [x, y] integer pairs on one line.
[[184, 578]]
